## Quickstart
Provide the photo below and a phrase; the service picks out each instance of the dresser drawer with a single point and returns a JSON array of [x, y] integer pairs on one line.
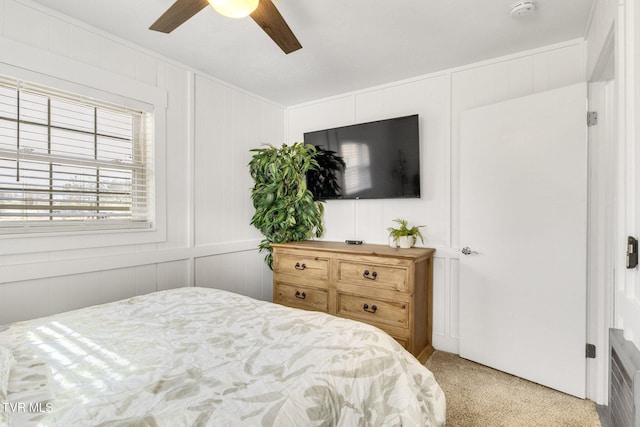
[[374, 275], [301, 266], [301, 296], [373, 311]]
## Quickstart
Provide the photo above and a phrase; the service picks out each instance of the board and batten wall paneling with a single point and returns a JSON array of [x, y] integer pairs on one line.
[[228, 124], [14, 18], [28, 299], [2, 14], [368, 219], [42, 281], [238, 272], [66, 44], [66, 41], [495, 82], [176, 81], [439, 99], [429, 98]]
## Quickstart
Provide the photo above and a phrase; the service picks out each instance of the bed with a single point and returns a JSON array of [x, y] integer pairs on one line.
[[198, 356]]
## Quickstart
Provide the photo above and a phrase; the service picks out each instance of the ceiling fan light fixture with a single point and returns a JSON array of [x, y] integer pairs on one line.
[[234, 8]]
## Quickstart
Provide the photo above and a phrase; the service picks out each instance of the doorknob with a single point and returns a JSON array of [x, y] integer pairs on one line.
[[467, 251]]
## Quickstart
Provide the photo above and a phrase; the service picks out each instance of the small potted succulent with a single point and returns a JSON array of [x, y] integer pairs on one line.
[[404, 236]]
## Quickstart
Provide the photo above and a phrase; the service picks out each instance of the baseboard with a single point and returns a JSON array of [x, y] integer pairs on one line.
[[424, 355], [605, 416], [448, 344]]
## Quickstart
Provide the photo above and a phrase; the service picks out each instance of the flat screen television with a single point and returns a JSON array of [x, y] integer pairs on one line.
[[374, 160]]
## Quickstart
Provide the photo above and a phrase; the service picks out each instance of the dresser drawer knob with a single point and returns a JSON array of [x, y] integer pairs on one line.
[[301, 295], [371, 276], [370, 310], [300, 267]]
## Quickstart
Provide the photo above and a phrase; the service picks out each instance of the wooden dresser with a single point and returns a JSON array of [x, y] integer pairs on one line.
[[385, 287]]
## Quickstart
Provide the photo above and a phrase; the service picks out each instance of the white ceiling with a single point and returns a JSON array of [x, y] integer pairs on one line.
[[347, 44]]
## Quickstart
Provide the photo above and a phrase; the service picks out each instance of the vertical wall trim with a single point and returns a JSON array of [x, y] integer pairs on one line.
[[355, 201], [448, 158], [447, 298], [2, 18], [191, 143]]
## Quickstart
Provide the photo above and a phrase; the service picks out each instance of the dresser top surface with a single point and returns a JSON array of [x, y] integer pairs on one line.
[[364, 249]]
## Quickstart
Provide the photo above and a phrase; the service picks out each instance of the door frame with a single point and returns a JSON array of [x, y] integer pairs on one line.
[[606, 226]]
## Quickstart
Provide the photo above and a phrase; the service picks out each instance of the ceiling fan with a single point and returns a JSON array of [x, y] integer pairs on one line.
[[266, 15]]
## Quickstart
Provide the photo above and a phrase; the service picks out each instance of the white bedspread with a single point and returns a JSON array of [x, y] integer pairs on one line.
[[195, 356]]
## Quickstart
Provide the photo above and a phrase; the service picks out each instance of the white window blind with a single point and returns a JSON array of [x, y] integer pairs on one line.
[[68, 162]]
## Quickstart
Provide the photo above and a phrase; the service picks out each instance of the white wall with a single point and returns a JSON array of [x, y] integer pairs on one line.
[[227, 124], [627, 297], [616, 24], [205, 131], [439, 99], [209, 128]]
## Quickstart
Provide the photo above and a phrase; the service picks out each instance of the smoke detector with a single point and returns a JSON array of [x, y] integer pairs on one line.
[[523, 8]]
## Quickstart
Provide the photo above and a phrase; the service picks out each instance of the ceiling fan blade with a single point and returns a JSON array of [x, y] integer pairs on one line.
[[178, 14], [269, 18]]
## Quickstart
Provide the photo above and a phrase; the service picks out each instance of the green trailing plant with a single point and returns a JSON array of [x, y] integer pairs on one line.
[[284, 208], [404, 230]]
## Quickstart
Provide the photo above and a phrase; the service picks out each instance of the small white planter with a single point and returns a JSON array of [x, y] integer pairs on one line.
[[405, 242], [392, 242]]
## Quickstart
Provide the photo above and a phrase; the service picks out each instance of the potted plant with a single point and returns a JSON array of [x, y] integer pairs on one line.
[[404, 236], [284, 208]]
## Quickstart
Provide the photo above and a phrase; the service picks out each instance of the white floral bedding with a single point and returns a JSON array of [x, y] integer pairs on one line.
[[195, 357]]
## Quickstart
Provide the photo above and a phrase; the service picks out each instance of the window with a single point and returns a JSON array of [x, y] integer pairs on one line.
[[71, 163], [357, 175]]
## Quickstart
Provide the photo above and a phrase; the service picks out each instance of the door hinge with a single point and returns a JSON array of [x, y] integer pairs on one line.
[[592, 118], [591, 351]]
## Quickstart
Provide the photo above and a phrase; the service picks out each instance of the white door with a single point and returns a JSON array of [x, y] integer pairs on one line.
[[523, 201]]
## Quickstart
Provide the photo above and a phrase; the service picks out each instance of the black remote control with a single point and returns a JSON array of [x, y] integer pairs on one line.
[[353, 242]]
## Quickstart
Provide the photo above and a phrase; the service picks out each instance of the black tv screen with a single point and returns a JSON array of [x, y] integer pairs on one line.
[[375, 160]]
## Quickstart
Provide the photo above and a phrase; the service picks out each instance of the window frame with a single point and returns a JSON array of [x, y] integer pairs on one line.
[[137, 141], [31, 64]]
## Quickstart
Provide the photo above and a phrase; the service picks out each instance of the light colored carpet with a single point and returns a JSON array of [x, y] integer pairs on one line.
[[481, 396]]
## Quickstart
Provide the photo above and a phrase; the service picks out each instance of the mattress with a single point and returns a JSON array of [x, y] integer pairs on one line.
[[198, 356]]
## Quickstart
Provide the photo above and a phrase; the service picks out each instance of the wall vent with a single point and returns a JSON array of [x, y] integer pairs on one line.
[[624, 381]]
